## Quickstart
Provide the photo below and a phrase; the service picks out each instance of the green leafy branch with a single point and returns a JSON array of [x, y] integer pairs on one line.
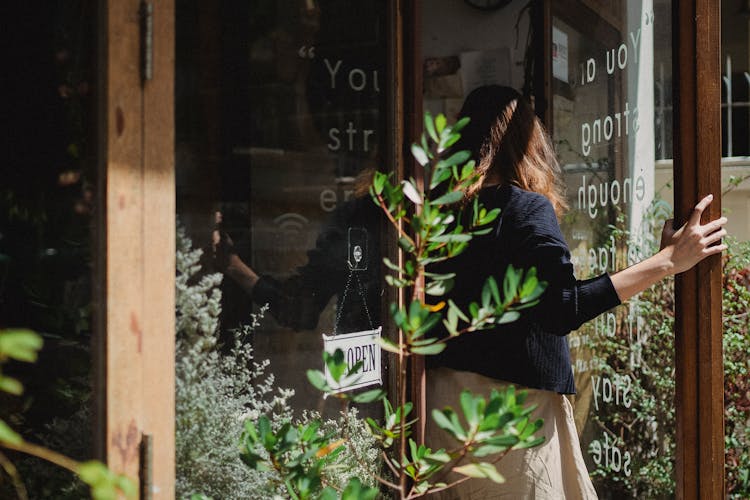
[[298, 454], [434, 223], [24, 345]]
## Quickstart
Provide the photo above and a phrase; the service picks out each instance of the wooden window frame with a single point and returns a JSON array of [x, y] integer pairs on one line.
[[698, 292]]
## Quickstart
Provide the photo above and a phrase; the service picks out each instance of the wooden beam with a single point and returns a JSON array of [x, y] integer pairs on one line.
[[698, 326], [158, 250], [135, 306], [123, 299], [395, 98]]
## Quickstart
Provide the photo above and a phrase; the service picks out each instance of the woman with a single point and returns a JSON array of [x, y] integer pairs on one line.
[[520, 175], [297, 300]]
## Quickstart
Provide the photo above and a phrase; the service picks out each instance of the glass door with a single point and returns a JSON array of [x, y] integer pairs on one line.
[[611, 124]]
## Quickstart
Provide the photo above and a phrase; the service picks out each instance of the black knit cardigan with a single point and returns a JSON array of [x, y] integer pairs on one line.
[[532, 351]]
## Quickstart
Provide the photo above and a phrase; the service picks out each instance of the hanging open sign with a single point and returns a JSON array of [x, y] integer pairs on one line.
[[361, 346]]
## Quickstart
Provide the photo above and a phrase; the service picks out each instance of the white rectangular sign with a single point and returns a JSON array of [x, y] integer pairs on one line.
[[358, 346], [559, 54]]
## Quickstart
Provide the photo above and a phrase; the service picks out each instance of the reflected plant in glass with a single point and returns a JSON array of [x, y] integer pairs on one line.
[[633, 377], [434, 223]]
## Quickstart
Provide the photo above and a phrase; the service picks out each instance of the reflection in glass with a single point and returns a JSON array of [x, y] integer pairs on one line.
[[612, 129], [280, 123]]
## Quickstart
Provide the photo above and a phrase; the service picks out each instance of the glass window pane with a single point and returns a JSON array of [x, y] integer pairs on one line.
[[280, 123], [612, 128], [280, 111], [613, 133], [735, 181]]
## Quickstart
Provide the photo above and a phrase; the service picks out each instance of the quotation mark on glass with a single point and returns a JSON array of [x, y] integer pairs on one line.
[[306, 52], [648, 18]]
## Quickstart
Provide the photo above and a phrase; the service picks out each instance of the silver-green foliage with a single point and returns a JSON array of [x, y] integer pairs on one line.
[[218, 389], [198, 303], [215, 390], [360, 456]]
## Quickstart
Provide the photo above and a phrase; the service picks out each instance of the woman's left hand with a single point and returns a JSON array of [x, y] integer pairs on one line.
[[694, 241]]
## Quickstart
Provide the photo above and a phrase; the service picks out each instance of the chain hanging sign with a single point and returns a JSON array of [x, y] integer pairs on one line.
[[362, 346]]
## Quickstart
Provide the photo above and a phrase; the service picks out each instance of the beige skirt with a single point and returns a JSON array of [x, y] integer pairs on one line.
[[553, 470]]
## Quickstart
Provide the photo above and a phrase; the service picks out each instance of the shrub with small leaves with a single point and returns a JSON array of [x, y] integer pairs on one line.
[[736, 301], [219, 387], [215, 390], [646, 427]]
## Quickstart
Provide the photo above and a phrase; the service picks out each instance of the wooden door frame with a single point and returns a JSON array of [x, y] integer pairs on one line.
[[399, 81], [413, 123], [135, 247], [698, 292]]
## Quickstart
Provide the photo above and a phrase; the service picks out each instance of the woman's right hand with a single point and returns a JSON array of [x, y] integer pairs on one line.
[[222, 246], [227, 261]]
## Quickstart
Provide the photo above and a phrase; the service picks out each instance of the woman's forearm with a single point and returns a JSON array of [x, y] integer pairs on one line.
[[681, 250], [639, 277], [241, 273]]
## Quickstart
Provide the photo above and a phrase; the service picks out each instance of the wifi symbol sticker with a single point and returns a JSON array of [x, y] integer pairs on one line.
[[291, 224]]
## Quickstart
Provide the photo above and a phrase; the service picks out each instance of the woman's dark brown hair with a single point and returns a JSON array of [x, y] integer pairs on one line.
[[510, 145]]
